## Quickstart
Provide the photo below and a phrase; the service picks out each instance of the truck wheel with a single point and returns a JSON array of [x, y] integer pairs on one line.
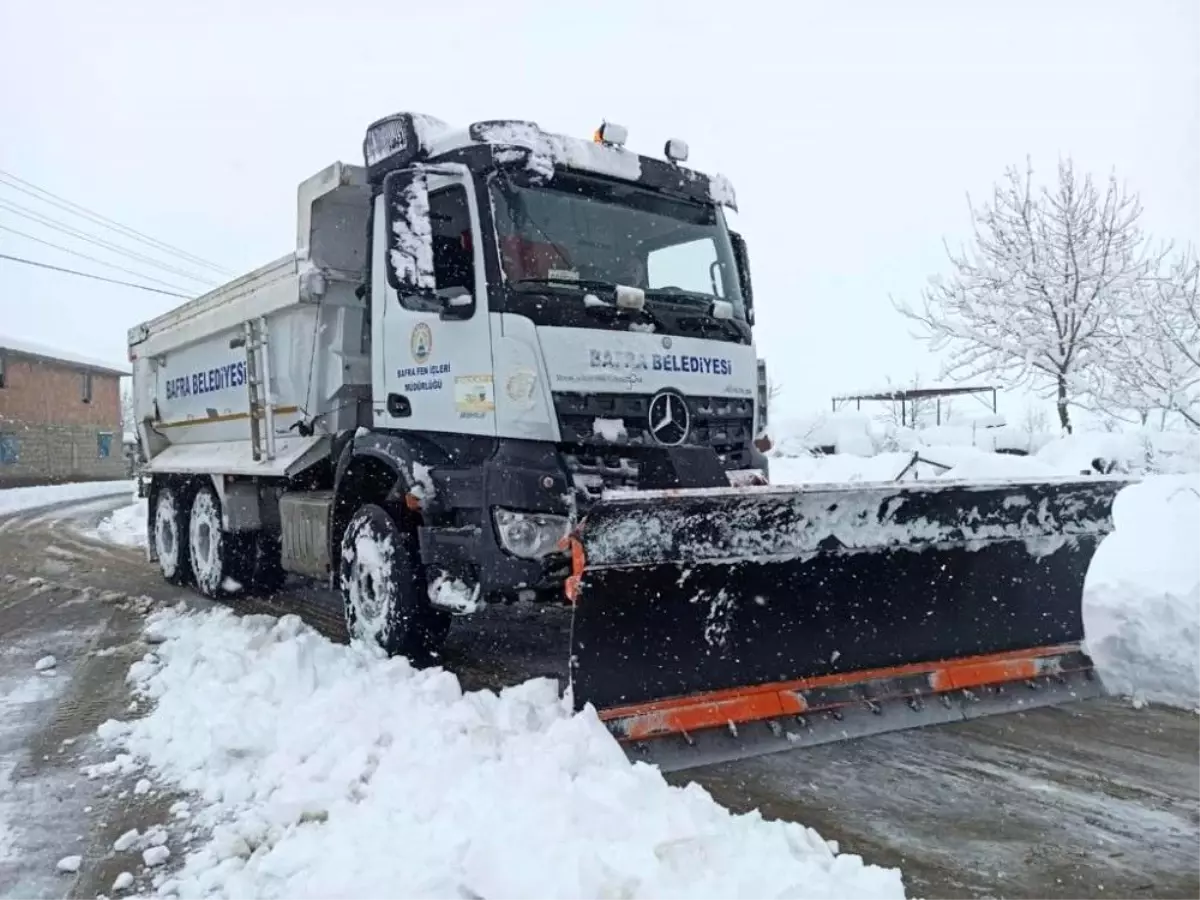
[[218, 557], [384, 589], [171, 536]]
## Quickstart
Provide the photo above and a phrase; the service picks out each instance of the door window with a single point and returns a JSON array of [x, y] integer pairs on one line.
[[453, 250]]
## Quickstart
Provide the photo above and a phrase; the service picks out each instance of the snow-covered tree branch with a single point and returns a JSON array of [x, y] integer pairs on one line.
[[1152, 366], [1033, 299]]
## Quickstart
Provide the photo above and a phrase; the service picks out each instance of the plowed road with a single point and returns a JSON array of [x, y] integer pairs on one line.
[[1095, 800]]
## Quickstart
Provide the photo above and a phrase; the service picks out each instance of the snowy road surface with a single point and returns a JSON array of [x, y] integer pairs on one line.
[[53, 603], [1100, 799]]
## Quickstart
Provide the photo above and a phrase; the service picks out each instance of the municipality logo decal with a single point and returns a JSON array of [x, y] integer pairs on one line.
[[421, 343]]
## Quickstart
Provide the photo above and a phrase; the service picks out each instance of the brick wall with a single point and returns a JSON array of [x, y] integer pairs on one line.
[[53, 434]]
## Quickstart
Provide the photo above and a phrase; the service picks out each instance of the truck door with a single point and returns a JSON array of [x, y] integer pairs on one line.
[[433, 335]]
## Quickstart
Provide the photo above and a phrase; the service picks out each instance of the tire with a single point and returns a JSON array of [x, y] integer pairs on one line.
[[170, 536], [384, 589], [218, 557]]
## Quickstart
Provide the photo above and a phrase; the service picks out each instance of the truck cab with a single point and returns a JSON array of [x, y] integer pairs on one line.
[[532, 321], [537, 288]]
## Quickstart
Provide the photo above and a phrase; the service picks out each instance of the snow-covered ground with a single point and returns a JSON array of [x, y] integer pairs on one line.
[[125, 526], [326, 770], [857, 435], [23, 692], [13, 500]]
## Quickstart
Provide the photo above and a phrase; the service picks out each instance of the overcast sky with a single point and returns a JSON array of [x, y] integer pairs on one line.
[[852, 131]]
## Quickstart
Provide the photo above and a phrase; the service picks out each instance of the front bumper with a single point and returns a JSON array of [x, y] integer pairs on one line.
[[534, 477], [522, 475]]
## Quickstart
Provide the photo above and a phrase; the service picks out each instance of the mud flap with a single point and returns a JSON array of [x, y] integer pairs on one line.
[[704, 609]]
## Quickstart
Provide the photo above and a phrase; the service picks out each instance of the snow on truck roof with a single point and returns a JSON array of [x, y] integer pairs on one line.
[[50, 354], [435, 138]]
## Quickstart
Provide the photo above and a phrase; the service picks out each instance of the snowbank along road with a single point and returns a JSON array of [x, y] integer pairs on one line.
[[251, 755]]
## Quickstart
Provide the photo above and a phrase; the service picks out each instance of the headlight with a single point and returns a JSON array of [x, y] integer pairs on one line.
[[530, 535]]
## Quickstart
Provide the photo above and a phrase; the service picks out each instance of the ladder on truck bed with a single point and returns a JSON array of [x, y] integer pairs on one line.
[[258, 386]]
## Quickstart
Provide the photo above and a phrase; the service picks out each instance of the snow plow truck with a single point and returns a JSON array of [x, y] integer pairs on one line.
[[504, 364]]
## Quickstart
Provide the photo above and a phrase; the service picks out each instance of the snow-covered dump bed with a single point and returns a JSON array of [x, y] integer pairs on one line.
[[191, 373]]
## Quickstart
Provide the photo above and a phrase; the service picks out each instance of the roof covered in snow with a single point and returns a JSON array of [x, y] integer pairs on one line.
[[430, 137], [918, 393], [50, 354]]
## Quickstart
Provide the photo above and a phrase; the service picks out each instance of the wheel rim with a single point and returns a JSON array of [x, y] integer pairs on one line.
[[204, 540], [205, 535], [370, 589], [165, 539]]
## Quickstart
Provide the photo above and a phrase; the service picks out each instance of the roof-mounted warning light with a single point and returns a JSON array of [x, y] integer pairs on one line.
[[389, 143], [676, 150], [611, 133]]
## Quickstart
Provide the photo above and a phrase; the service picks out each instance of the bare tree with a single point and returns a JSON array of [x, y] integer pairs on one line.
[[1152, 371], [1030, 301], [774, 389], [915, 413], [1034, 422]]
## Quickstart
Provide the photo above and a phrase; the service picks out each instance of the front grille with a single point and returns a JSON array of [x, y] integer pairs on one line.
[[605, 456]]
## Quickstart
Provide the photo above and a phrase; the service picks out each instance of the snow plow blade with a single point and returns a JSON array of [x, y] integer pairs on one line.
[[721, 623]]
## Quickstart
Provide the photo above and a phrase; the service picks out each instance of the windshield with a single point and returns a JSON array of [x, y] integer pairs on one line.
[[584, 231]]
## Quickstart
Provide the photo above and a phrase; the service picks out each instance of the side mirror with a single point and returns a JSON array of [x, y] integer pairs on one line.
[[455, 302], [742, 258]]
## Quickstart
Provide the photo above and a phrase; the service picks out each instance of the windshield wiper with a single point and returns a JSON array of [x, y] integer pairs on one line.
[[709, 324], [680, 296]]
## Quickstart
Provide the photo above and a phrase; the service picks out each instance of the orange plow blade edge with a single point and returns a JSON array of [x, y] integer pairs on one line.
[[726, 725], [717, 624]]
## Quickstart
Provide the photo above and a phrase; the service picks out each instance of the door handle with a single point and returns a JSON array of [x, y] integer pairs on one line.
[[398, 406]]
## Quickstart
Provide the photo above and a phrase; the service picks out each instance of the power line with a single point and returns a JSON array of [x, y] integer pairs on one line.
[[102, 262], [42, 265], [26, 213], [30, 188]]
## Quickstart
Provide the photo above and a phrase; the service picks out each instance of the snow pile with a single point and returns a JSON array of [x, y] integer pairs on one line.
[[13, 500], [125, 526], [839, 432], [612, 430], [455, 595], [852, 431], [325, 770], [69, 864], [931, 462], [1141, 610], [1138, 451]]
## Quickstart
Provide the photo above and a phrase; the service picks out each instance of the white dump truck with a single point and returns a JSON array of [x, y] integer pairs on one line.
[[508, 364], [480, 331]]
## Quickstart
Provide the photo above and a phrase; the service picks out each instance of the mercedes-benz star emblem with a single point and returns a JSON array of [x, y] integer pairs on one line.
[[669, 418]]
